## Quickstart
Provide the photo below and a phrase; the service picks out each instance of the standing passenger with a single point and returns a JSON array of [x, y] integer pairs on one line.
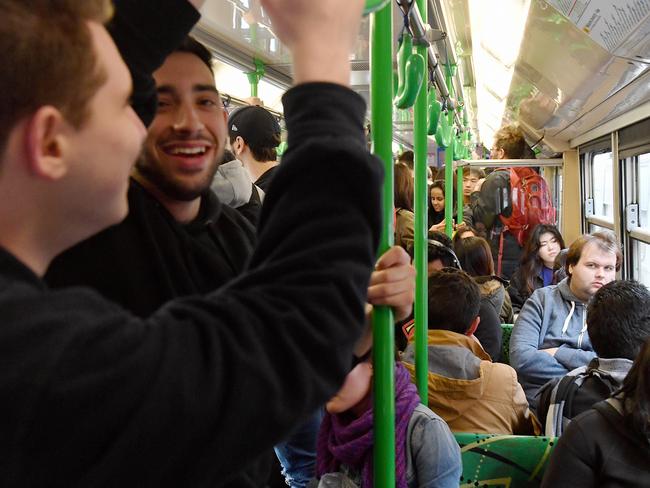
[[93, 395], [404, 217]]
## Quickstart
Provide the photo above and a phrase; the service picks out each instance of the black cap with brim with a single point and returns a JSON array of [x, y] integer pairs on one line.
[[256, 125]]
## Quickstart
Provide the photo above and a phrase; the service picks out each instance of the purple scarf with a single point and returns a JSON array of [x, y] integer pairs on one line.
[[351, 444]]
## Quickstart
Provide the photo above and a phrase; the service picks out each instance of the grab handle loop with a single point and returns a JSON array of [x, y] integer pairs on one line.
[[444, 132], [410, 73], [434, 110]]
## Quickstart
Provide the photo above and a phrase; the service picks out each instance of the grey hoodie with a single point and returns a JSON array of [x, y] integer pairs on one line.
[[552, 317]]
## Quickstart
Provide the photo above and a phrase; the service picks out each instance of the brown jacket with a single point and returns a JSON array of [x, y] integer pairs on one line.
[[469, 391]]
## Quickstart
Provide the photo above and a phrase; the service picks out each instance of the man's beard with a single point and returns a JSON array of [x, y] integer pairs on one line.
[[172, 188]]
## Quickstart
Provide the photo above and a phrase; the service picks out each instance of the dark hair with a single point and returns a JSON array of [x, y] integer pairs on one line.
[[442, 251], [604, 239], [457, 235], [474, 170], [511, 140], [407, 158], [531, 263], [403, 187], [448, 286], [618, 319], [636, 393], [475, 256], [440, 184], [192, 46]]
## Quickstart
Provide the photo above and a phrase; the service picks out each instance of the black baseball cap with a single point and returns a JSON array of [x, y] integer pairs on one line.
[[256, 125]]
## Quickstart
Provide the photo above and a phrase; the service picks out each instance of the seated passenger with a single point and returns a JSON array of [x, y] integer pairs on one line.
[[550, 337], [404, 217], [441, 255], [436, 217], [537, 264], [476, 260], [608, 445], [466, 388], [618, 323], [426, 453]]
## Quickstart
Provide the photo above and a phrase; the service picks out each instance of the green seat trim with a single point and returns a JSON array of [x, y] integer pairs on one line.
[[509, 461], [506, 329]]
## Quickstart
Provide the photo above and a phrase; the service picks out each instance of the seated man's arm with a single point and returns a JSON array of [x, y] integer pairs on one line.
[[533, 366], [572, 358]]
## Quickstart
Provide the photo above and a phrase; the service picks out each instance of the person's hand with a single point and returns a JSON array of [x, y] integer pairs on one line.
[[320, 35], [550, 351], [393, 282], [439, 227]]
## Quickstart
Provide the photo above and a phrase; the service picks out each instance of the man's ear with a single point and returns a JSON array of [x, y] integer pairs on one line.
[[46, 143], [473, 326]]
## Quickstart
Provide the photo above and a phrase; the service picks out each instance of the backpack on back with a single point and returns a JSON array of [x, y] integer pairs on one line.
[[531, 203], [573, 394]]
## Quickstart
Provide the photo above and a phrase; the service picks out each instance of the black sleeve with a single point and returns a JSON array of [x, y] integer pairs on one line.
[[489, 331], [145, 32], [208, 383], [516, 291], [573, 461]]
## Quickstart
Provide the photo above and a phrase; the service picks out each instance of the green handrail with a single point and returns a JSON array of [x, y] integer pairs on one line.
[[449, 160], [255, 76], [411, 68], [381, 71], [421, 227]]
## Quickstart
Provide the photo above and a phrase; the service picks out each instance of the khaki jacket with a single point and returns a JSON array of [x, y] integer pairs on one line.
[[471, 393]]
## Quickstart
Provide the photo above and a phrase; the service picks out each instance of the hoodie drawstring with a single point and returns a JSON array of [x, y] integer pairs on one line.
[[583, 330], [568, 319]]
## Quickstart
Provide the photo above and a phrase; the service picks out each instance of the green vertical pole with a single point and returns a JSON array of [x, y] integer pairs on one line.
[[420, 201], [254, 77], [459, 193], [381, 113], [449, 164]]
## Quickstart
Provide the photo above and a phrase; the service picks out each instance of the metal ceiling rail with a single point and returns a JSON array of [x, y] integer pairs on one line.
[[511, 163], [420, 32]]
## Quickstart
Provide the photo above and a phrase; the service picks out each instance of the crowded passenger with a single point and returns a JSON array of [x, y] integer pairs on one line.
[[537, 264], [609, 445], [404, 217], [476, 260], [436, 220], [494, 207], [618, 324], [254, 137], [550, 336], [468, 390], [471, 178], [125, 393], [426, 453], [233, 186]]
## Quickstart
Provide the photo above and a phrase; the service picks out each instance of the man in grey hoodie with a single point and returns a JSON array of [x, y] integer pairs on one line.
[[550, 336], [618, 319]]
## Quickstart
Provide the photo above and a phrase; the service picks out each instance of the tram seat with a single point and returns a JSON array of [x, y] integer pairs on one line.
[[505, 343], [508, 461]]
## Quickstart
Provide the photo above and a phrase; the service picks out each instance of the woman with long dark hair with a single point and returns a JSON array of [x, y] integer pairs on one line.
[[609, 445], [475, 257], [404, 217], [537, 260]]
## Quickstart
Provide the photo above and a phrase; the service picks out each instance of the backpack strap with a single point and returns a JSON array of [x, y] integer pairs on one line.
[[500, 255]]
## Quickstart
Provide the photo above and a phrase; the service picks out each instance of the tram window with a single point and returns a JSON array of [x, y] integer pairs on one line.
[[602, 185], [643, 179], [596, 228], [642, 262]]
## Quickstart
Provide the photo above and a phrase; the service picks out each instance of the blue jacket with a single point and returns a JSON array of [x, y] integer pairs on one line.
[[552, 317]]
